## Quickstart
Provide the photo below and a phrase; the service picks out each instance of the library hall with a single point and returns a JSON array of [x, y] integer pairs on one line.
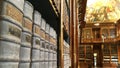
[[59, 33]]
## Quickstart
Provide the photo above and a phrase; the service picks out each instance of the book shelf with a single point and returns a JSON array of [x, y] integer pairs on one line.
[[86, 53], [106, 54], [87, 33], [110, 53], [89, 51], [82, 53], [114, 54]]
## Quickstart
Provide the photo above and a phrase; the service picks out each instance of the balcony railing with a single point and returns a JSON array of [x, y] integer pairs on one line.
[[99, 40]]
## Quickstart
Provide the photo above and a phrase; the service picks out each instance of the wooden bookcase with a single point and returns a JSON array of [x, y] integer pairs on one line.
[[86, 53], [110, 53], [106, 53]]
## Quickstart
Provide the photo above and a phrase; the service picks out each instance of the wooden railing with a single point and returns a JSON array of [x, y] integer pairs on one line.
[[99, 40]]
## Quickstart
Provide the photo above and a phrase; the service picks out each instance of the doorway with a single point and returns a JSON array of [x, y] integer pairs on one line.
[[97, 56]]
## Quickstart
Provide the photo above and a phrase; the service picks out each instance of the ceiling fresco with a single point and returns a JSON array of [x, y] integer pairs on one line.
[[99, 11]]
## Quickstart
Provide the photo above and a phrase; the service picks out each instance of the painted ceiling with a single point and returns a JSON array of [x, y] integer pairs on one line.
[[99, 11]]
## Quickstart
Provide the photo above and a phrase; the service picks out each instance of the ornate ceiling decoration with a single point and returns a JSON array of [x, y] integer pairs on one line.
[[99, 11]]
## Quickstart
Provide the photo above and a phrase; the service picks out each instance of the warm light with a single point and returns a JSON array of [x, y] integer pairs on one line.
[[96, 24], [115, 22], [95, 54], [90, 2], [97, 3]]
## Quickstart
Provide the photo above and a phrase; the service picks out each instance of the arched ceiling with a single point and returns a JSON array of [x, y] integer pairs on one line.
[[101, 11]]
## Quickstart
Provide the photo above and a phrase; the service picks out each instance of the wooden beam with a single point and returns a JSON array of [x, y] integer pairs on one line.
[[77, 36], [73, 33], [61, 38]]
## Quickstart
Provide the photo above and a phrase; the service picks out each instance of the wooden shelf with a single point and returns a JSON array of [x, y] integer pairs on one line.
[[105, 33], [85, 53], [110, 53]]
